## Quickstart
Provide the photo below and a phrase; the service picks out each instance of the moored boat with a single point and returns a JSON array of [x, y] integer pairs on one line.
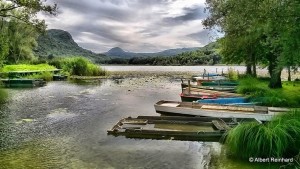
[[214, 110], [23, 82], [175, 128], [227, 101]]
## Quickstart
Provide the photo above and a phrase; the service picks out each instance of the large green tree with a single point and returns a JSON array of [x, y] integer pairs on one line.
[[257, 31], [20, 26]]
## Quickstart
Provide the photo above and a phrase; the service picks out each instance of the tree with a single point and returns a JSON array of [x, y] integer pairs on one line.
[[255, 31], [26, 10], [20, 28]]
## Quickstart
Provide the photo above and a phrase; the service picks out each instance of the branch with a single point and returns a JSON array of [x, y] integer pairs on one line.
[[9, 8]]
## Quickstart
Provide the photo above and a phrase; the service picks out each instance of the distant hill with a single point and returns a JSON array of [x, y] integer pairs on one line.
[[60, 43], [120, 53]]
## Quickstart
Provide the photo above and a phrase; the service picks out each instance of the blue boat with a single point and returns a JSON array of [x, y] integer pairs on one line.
[[242, 101]]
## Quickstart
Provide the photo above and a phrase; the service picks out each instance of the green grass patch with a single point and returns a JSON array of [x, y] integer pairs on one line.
[[258, 91], [27, 67], [47, 76], [277, 138], [79, 66]]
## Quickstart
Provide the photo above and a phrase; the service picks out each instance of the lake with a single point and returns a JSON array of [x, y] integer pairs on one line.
[[63, 125]]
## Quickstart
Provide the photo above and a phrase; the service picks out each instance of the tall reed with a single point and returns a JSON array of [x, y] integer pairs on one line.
[[277, 138]]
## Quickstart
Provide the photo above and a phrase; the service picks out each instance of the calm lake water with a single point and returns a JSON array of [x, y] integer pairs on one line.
[[63, 125], [211, 69]]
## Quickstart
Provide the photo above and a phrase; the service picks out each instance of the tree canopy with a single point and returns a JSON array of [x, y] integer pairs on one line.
[[258, 31], [19, 27]]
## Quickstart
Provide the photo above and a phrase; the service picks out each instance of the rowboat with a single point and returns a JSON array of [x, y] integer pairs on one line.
[[175, 127], [214, 110], [228, 101], [23, 82], [220, 83], [194, 94], [216, 88]]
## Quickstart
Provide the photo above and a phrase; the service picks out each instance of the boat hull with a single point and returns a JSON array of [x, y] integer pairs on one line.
[[196, 109]]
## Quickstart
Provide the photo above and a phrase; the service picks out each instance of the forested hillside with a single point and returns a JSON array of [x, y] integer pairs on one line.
[[206, 55], [60, 43]]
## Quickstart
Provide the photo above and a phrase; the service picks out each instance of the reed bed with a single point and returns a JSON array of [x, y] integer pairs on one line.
[[277, 138]]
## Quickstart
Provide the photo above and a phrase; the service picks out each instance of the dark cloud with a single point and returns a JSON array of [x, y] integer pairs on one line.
[[193, 13], [204, 36]]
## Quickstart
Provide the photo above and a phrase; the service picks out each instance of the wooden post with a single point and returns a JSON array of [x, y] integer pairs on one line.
[[216, 70], [189, 83]]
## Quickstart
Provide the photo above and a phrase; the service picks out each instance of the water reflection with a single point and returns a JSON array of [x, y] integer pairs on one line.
[[65, 126]]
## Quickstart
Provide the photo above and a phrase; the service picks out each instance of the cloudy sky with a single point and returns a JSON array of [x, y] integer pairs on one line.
[[133, 25]]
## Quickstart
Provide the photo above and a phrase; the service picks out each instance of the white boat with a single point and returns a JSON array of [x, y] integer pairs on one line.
[[221, 111]]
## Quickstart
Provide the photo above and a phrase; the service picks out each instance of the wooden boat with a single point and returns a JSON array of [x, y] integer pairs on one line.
[[175, 128], [194, 94], [220, 83], [216, 88], [227, 101], [23, 82], [214, 110]]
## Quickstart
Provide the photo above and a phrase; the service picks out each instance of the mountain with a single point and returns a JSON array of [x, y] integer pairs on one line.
[[60, 43], [120, 53]]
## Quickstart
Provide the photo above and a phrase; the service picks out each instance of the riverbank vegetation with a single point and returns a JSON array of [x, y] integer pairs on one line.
[[279, 138], [258, 32], [78, 66], [258, 91]]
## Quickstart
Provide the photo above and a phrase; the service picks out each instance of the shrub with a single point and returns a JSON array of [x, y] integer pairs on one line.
[[232, 75], [278, 138], [78, 66], [47, 76]]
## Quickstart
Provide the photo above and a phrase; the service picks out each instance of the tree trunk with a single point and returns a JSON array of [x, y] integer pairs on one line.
[[275, 74], [254, 66], [248, 69], [289, 73]]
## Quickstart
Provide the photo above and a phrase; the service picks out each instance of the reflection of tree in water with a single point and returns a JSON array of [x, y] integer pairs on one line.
[[7, 129]]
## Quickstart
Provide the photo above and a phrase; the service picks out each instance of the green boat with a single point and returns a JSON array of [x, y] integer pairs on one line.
[[22, 82], [220, 83]]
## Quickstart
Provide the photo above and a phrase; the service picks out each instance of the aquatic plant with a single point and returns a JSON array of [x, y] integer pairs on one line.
[[47, 76], [79, 66], [277, 138]]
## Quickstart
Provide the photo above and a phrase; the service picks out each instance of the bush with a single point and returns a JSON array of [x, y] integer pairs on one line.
[[78, 66], [232, 75], [47, 76], [278, 138]]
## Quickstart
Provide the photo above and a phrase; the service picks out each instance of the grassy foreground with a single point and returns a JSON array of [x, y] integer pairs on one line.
[[279, 138]]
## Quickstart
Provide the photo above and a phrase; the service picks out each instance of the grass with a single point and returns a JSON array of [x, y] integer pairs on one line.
[[79, 66], [47, 76], [257, 90], [28, 67], [277, 138]]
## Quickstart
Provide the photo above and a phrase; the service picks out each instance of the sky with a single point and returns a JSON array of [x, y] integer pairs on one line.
[[133, 25]]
